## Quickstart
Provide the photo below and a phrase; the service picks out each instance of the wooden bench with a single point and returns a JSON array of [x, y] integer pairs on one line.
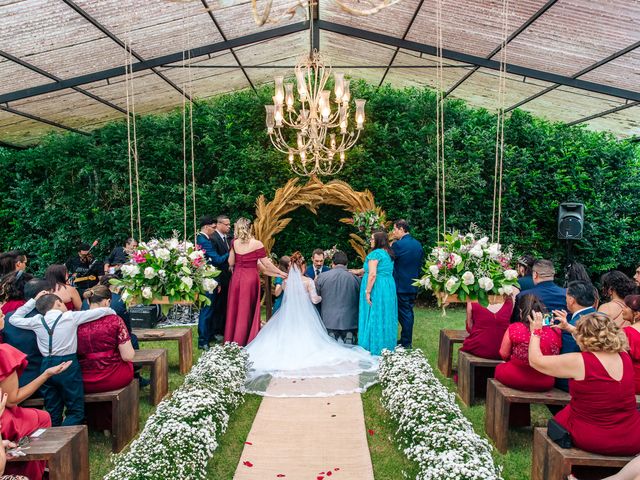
[[445, 349], [473, 373], [500, 404], [156, 360], [550, 462], [66, 449], [182, 335], [124, 412]]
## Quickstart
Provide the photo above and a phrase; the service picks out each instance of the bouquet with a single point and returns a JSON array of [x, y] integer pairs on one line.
[[167, 268], [368, 221], [468, 266]]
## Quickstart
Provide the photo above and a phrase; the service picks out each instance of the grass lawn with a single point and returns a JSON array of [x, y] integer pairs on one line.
[[388, 461]]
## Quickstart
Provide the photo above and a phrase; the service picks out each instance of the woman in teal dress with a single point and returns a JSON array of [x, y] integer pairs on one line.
[[378, 316]]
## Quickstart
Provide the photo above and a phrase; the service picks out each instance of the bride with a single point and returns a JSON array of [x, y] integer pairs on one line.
[[293, 356]]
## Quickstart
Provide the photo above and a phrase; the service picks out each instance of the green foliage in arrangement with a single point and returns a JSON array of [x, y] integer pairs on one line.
[[72, 188]]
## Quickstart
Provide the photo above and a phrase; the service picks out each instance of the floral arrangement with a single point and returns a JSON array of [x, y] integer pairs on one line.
[[368, 221], [432, 430], [468, 266], [328, 254], [167, 268], [180, 438]]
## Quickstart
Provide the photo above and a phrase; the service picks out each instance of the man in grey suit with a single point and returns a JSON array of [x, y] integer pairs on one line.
[[340, 292]]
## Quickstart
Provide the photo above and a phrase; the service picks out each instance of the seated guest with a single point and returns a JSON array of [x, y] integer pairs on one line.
[[636, 277], [105, 352], [602, 416], [486, 327], [633, 335], [340, 292], [84, 268], [58, 277], [12, 290], [25, 340], [580, 299], [17, 422], [119, 256], [12, 261], [616, 286], [284, 266], [550, 294], [516, 371], [525, 272], [317, 267]]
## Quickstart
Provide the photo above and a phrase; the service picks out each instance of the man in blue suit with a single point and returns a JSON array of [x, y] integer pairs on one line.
[[580, 301], [205, 319], [406, 268], [317, 266], [553, 296]]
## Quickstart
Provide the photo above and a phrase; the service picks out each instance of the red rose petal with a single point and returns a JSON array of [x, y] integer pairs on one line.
[[247, 464], [329, 473], [248, 443], [371, 432], [336, 469], [281, 475], [319, 477]]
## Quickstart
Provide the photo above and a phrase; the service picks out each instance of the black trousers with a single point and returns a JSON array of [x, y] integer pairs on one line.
[[219, 318], [406, 301], [64, 391]]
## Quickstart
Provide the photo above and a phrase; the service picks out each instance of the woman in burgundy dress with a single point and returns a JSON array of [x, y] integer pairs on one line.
[[486, 327], [12, 290], [602, 416], [633, 335], [516, 371], [243, 303], [58, 276]]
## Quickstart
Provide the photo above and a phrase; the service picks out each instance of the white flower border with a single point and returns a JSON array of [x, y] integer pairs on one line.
[[179, 439], [432, 430]]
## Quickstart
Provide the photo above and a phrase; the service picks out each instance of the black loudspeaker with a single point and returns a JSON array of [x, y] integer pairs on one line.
[[570, 221], [144, 316]]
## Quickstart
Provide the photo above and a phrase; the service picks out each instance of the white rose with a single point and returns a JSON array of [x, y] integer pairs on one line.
[[457, 259], [188, 244], [125, 295], [468, 278], [443, 255], [162, 273], [434, 270], [149, 273], [173, 243], [182, 261], [147, 293], [510, 274], [506, 290], [209, 284], [450, 285], [476, 251], [425, 282], [163, 254], [196, 254], [494, 250], [130, 270], [485, 283], [483, 241], [187, 281]]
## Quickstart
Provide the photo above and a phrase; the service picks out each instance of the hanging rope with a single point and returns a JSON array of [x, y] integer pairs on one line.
[[193, 167], [496, 220], [440, 153], [126, 84]]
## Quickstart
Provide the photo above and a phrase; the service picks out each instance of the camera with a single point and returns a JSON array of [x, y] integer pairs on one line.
[[547, 320]]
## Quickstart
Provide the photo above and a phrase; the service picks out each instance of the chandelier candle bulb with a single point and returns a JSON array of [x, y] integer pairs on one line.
[[288, 88], [360, 113], [346, 96], [270, 121], [279, 96], [339, 86], [278, 115]]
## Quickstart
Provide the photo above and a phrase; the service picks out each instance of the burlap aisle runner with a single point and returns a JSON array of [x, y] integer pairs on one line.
[[307, 439]]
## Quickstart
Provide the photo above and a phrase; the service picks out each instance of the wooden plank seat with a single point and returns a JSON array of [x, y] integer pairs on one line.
[[124, 412], [445, 349], [156, 360], [550, 462], [473, 373], [502, 402], [182, 335]]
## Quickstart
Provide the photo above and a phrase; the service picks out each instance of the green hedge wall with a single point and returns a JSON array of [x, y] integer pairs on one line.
[[73, 188]]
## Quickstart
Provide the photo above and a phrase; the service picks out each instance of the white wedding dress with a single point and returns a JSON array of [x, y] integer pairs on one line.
[[293, 356]]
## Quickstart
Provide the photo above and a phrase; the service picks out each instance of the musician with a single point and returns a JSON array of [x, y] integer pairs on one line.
[[119, 256], [84, 269]]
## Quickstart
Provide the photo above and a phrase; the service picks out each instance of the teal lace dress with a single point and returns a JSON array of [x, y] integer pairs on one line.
[[378, 322]]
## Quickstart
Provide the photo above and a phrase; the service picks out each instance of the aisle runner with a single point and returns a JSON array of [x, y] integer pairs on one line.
[[307, 439]]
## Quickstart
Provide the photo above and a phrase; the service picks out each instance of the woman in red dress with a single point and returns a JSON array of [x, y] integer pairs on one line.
[[516, 371], [105, 352], [12, 290], [17, 422], [633, 335], [246, 256], [602, 416], [58, 276], [486, 327]]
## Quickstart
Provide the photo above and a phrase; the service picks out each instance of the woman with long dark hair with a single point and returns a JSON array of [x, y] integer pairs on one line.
[[378, 318], [616, 286], [58, 276]]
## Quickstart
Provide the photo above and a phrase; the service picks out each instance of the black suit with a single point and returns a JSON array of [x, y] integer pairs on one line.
[[220, 308]]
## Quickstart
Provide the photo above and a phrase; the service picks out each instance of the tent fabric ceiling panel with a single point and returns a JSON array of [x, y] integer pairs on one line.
[[626, 122], [16, 77], [399, 77], [623, 72], [470, 26], [23, 131], [481, 89], [567, 104], [210, 86], [575, 34], [67, 107], [237, 20], [340, 50], [154, 27], [392, 20]]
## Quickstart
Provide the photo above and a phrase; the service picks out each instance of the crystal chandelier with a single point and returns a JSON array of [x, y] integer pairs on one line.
[[320, 122]]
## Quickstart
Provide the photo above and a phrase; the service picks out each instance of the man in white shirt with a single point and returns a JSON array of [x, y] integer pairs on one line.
[[56, 333]]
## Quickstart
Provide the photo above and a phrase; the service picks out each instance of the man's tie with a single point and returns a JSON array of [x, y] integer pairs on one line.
[[317, 272], [226, 242]]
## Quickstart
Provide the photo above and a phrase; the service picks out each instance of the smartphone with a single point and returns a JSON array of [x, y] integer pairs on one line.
[[547, 320]]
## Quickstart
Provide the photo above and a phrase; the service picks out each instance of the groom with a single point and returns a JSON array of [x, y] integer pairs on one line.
[[221, 244]]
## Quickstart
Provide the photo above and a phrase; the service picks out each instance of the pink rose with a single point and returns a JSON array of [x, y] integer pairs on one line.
[[139, 257]]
